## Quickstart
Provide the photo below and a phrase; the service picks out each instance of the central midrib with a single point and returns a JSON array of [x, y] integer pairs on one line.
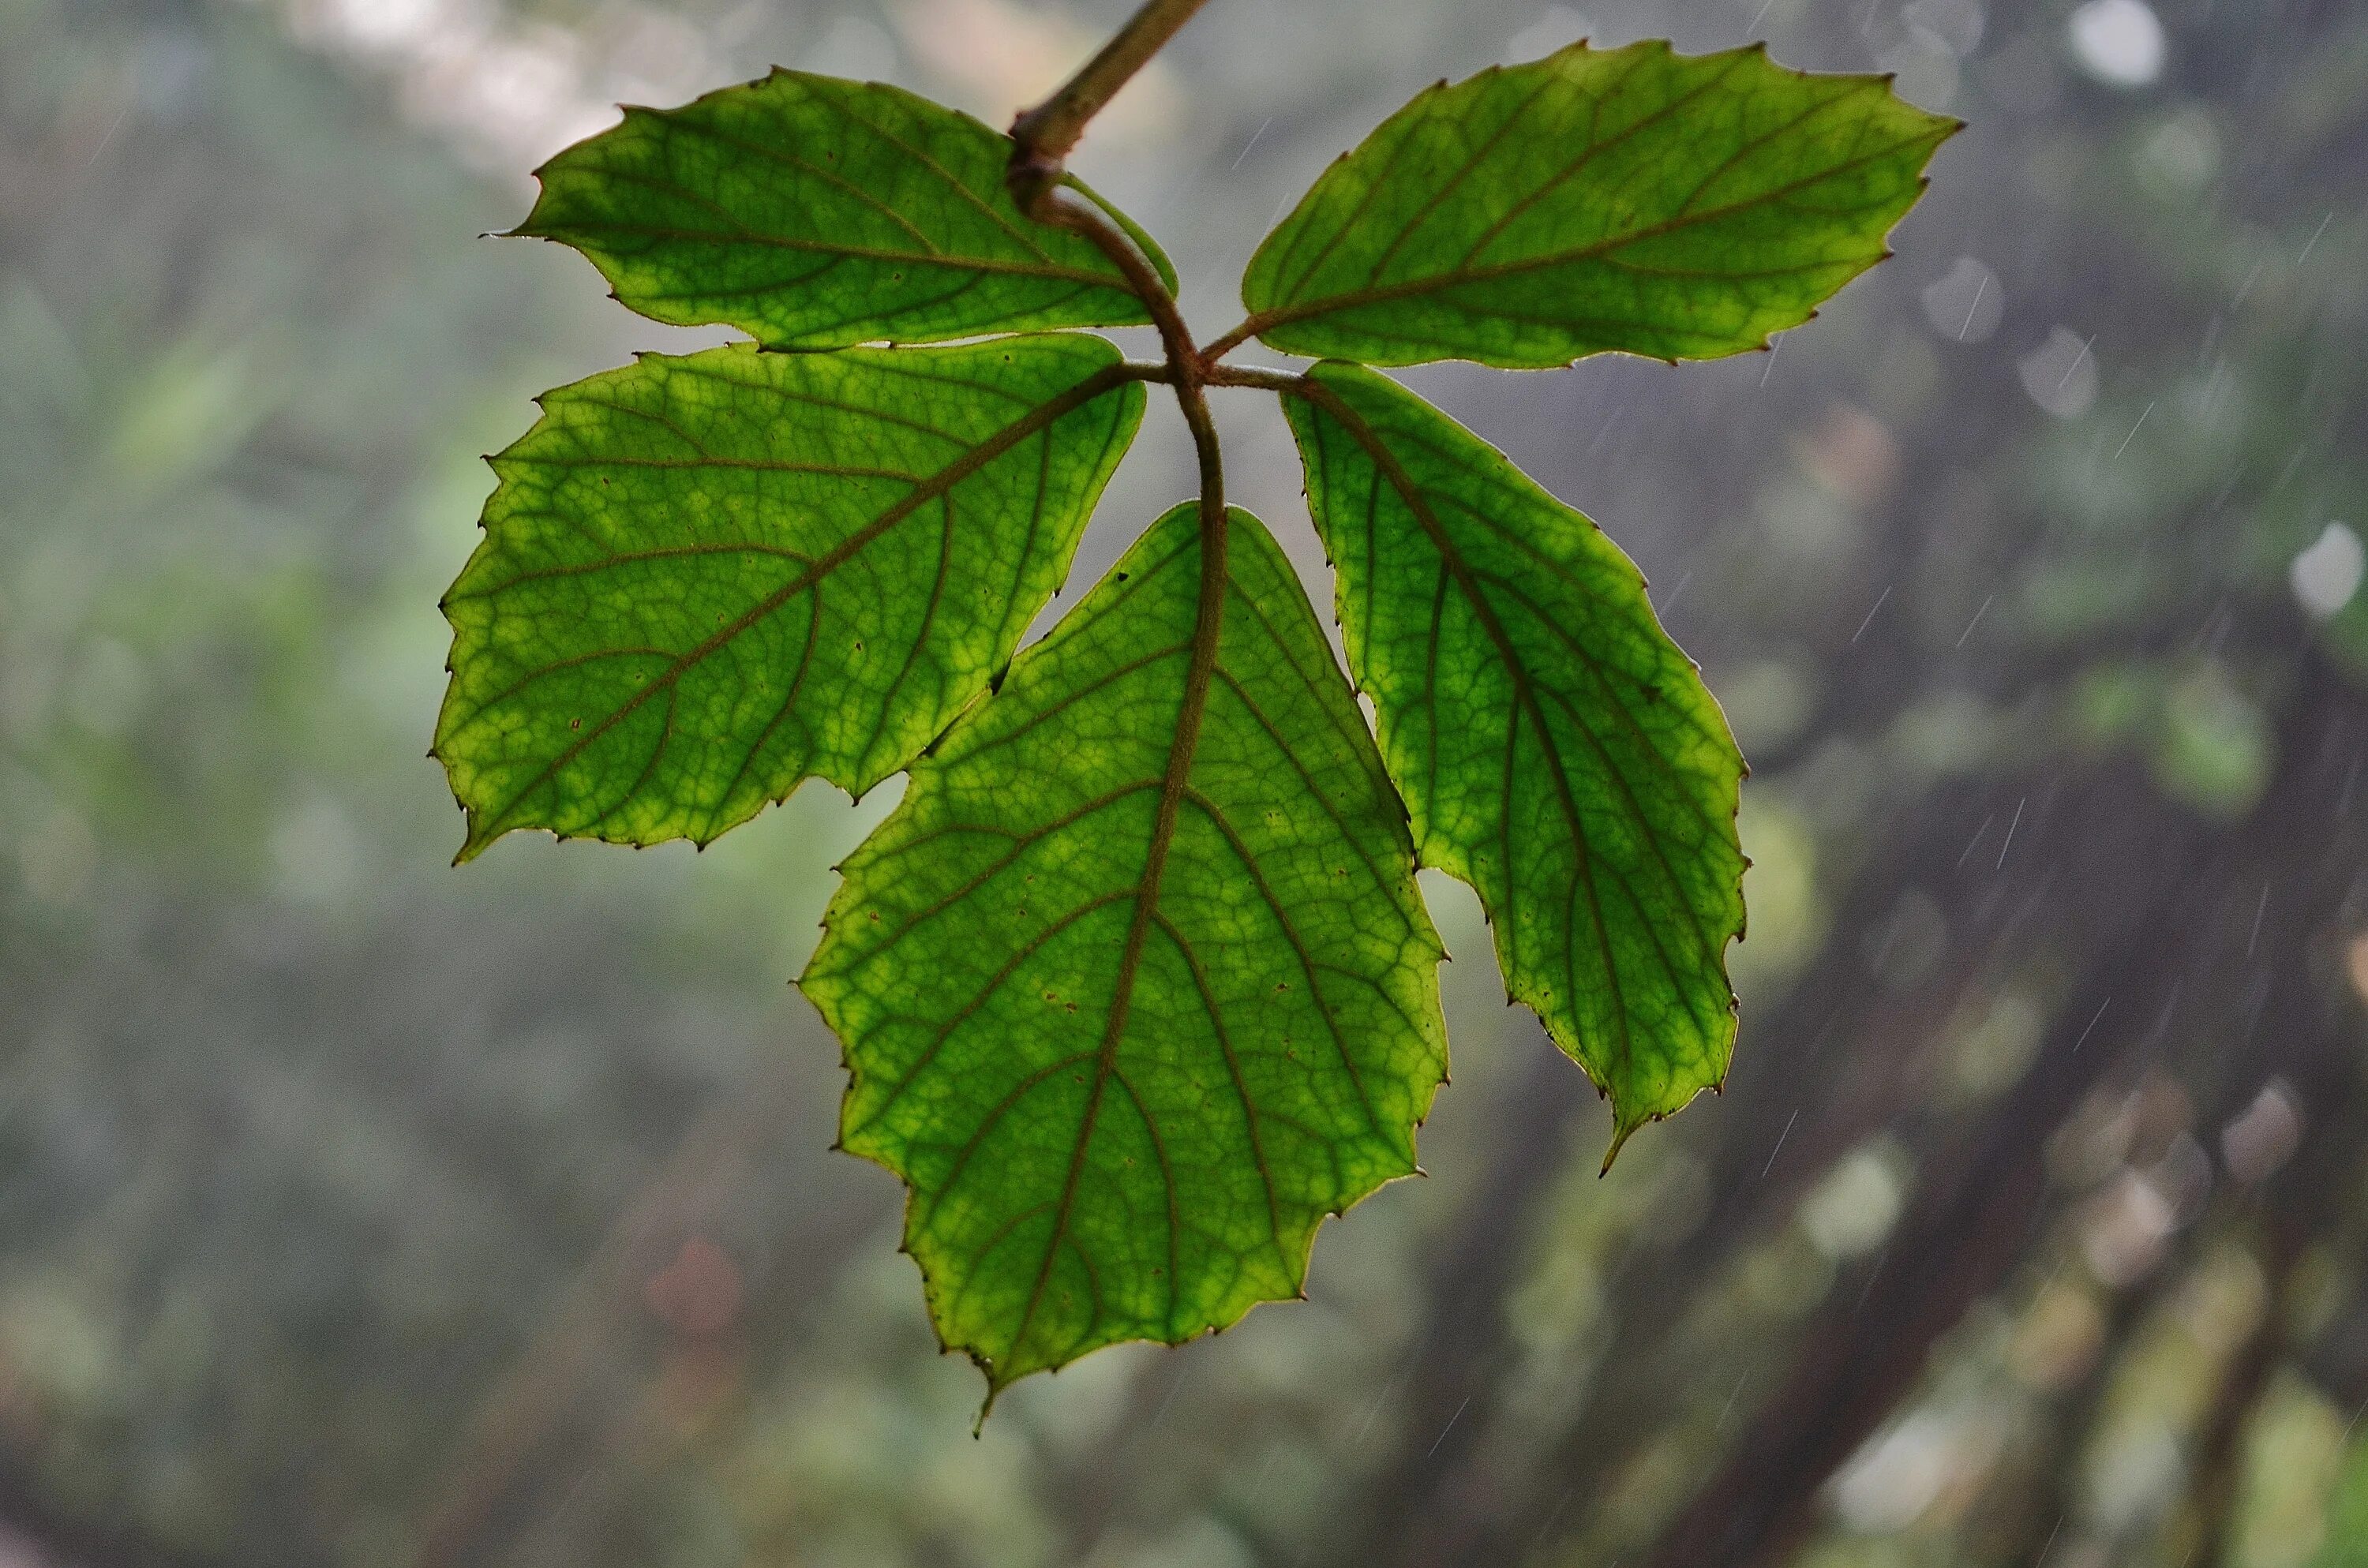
[[1266, 321], [1042, 417], [1200, 670], [1386, 462]]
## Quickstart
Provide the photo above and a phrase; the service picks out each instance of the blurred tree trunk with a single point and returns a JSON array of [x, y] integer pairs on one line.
[[1965, 1229]]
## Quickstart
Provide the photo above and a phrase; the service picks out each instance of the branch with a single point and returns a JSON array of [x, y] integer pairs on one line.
[[1040, 139], [1056, 208], [1284, 382], [1234, 339], [1042, 136]]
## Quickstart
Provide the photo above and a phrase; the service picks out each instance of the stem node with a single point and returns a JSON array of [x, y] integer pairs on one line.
[[1043, 136]]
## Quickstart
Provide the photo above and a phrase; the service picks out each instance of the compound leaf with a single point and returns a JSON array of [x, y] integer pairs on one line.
[[705, 579], [1628, 199], [811, 212], [1134, 985], [1556, 749]]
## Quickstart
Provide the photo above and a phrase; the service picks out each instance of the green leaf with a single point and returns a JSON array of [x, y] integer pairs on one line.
[[705, 579], [1628, 199], [1557, 750], [814, 213], [1134, 985]]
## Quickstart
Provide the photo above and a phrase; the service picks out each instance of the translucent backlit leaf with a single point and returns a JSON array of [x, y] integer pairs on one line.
[[1555, 748], [1631, 198], [705, 579], [1134, 985], [811, 212]]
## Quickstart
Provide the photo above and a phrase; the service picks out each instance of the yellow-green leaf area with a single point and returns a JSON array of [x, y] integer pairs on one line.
[[1134, 985], [1557, 751], [1632, 199], [705, 579], [811, 212]]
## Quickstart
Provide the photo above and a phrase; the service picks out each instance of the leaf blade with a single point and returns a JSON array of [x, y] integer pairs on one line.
[[1630, 200], [798, 564], [1557, 750], [811, 212], [1256, 1055]]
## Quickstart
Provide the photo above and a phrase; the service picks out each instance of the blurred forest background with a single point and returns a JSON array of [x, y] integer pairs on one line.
[[354, 1211]]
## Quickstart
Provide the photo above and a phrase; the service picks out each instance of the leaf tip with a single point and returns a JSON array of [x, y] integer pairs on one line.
[[1621, 1132]]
